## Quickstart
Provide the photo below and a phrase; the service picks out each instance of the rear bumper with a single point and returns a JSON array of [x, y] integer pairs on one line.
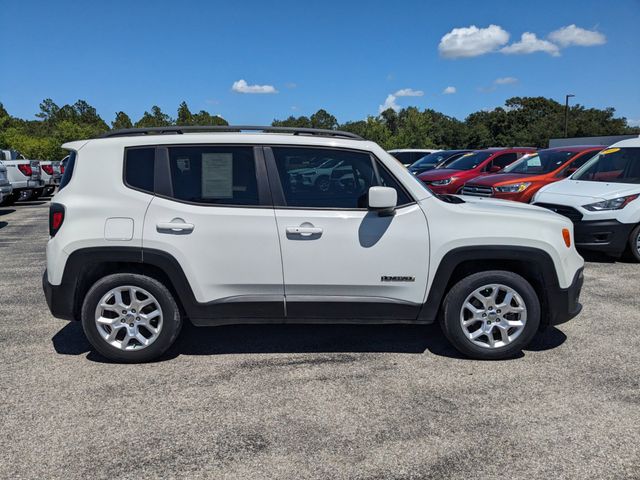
[[59, 301], [608, 236], [564, 303]]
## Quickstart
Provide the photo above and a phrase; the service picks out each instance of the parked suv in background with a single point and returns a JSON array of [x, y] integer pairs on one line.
[[436, 160], [407, 156], [457, 173], [147, 230], [5, 186], [50, 172], [24, 176], [603, 200], [523, 178]]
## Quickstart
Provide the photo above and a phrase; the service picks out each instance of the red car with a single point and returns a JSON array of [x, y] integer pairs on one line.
[[471, 165], [522, 179]]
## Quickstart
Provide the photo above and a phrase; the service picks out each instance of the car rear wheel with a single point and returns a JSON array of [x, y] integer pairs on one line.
[[9, 200], [130, 318], [634, 244], [491, 315]]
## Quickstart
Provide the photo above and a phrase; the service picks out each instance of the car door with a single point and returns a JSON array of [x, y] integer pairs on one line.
[[341, 260], [212, 213]]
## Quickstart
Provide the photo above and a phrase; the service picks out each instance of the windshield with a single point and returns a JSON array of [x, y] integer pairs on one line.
[[540, 162], [619, 165], [433, 159], [469, 161]]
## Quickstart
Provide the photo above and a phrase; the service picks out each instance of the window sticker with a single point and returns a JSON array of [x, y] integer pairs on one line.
[[183, 164], [217, 175], [609, 150]]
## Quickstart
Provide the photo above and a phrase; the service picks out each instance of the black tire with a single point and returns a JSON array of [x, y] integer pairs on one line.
[[172, 320], [452, 306], [634, 244], [9, 201]]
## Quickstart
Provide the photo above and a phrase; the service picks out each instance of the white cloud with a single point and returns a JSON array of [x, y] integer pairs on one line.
[[573, 35], [449, 90], [409, 92], [390, 102], [241, 86], [529, 43], [505, 80], [472, 41]]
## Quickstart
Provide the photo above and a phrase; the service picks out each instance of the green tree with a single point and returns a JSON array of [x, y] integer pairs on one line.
[[323, 119], [121, 121], [185, 117], [154, 119]]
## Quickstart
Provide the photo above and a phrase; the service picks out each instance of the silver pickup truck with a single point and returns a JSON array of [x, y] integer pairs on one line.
[[23, 175], [5, 187]]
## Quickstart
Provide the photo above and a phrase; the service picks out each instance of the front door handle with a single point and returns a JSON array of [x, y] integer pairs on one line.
[[304, 231], [177, 225]]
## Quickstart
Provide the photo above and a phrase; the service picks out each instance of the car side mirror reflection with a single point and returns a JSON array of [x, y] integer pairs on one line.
[[494, 169], [383, 200]]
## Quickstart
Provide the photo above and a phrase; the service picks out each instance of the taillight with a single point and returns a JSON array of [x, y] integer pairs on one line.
[[48, 169], [61, 168], [56, 218], [25, 169]]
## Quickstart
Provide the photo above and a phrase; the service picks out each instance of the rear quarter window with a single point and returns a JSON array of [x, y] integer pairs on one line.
[[68, 170], [139, 168]]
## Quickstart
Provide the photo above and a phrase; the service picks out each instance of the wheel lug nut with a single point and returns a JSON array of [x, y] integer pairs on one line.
[[484, 314], [137, 318], [133, 310], [498, 311], [124, 312]]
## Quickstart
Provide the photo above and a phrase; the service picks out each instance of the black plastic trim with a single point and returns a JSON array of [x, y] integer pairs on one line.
[[609, 236], [554, 294]]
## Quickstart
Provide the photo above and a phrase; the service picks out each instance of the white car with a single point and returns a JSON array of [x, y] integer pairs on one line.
[[50, 173], [602, 199], [408, 156], [5, 186], [154, 226], [23, 175]]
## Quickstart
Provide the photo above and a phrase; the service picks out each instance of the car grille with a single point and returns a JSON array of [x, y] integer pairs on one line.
[[477, 190], [569, 212]]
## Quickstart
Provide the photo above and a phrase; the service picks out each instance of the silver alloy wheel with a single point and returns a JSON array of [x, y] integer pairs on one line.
[[638, 243], [493, 316], [128, 318]]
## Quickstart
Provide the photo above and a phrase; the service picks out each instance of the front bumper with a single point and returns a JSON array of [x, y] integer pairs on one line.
[[563, 303], [608, 236]]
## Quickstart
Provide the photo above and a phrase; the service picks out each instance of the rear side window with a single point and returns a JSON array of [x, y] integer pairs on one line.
[[139, 168], [214, 175], [68, 170]]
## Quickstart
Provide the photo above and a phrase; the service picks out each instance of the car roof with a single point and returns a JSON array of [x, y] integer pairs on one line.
[[400, 150], [574, 148], [629, 142]]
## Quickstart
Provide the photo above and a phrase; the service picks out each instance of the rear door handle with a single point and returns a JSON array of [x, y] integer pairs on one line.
[[304, 231], [175, 227]]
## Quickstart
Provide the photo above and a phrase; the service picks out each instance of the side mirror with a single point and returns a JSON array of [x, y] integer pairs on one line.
[[494, 169], [383, 200], [570, 171]]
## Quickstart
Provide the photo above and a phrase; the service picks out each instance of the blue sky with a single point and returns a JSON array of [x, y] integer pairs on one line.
[[346, 57]]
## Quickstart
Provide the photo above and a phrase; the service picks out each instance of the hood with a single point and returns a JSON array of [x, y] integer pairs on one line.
[[589, 192], [493, 206], [438, 174], [498, 178]]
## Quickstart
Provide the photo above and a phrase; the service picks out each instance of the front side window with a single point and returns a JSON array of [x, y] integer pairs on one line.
[[620, 165], [214, 175], [502, 161], [540, 162], [469, 161], [331, 179]]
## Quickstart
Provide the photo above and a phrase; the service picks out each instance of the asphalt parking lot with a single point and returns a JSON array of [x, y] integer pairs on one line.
[[293, 402]]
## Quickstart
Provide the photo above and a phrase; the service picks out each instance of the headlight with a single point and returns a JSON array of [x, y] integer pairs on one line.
[[513, 188], [614, 204], [444, 181]]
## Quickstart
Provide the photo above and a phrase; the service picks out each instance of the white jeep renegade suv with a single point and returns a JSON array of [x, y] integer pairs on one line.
[[214, 225]]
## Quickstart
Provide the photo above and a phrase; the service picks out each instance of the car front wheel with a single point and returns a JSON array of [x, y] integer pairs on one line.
[[634, 244], [130, 318], [491, 315]]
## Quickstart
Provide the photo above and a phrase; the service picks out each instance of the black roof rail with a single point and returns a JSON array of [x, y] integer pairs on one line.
[[179, 130]]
